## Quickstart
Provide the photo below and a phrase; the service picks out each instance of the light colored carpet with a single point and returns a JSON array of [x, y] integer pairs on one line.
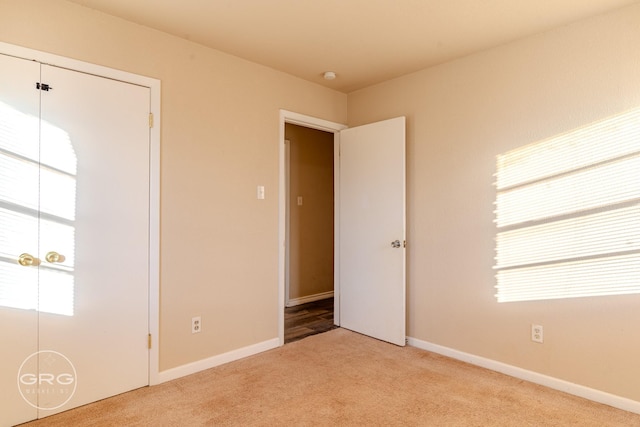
[[341, 378]]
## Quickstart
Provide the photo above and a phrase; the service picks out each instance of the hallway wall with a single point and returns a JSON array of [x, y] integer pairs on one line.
[[311, 224]]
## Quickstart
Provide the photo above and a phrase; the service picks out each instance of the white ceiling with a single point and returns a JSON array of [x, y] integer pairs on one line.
[[363, 41]]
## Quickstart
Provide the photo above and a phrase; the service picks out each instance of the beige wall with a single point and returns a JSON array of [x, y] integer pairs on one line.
[[460, 115], [311, 224], [220, 130]]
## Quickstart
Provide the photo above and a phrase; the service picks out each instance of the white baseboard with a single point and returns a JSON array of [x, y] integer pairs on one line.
[[534, 377], [310, 298], [211, 362]]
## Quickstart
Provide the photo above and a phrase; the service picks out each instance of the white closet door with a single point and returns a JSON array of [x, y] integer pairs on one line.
[[94, 199], [19, 128], [74, 195]]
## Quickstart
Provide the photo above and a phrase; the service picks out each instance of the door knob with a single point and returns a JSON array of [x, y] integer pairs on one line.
[[53, 257], [396, 244], [27, 260]]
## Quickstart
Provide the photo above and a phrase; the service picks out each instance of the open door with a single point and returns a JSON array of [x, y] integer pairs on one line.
[[372, 231]]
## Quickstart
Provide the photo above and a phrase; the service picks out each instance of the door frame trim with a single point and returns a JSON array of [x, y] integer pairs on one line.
[[326, 126], [154, 86]]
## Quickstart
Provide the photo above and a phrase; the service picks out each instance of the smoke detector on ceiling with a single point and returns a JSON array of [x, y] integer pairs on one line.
[[329, 75]]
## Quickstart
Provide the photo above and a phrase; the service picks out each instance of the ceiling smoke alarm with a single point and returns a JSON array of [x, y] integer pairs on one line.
[[329, 75]]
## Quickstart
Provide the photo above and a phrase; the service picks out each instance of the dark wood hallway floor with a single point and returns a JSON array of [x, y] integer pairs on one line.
[[308, 319]]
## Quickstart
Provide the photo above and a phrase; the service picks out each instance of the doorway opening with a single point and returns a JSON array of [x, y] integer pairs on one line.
[[308, 319], [369, 225], [309, 272], [308, 286]]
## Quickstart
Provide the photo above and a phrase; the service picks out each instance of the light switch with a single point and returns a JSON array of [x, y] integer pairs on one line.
[[260, 192], [299, 200]]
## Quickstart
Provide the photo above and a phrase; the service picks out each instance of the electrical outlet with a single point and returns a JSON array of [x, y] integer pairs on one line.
[[537, 333], [196, 325]]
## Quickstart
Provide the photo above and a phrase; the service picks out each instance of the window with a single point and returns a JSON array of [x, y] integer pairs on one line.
[[568, 214]]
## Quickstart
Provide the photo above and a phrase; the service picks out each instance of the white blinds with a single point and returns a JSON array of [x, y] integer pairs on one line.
[[568, 214]]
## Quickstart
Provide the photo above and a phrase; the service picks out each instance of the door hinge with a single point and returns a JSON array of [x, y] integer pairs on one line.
[[150, 120], [43, 86], [149, 340]]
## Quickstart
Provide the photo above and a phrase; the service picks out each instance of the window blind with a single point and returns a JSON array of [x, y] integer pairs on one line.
[[568, 214]]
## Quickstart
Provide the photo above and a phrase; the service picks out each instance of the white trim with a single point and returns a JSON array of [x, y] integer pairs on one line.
[[287, 217], [220, 359], [313, 123], [154, 235], [309, 298], [310, 122], [73, 64], [534, 377], [154, 86], [336, 228]]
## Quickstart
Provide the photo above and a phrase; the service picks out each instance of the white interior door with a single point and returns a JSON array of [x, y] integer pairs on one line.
[[372, 230], [91, 226], [19, 201], [105, 125]]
